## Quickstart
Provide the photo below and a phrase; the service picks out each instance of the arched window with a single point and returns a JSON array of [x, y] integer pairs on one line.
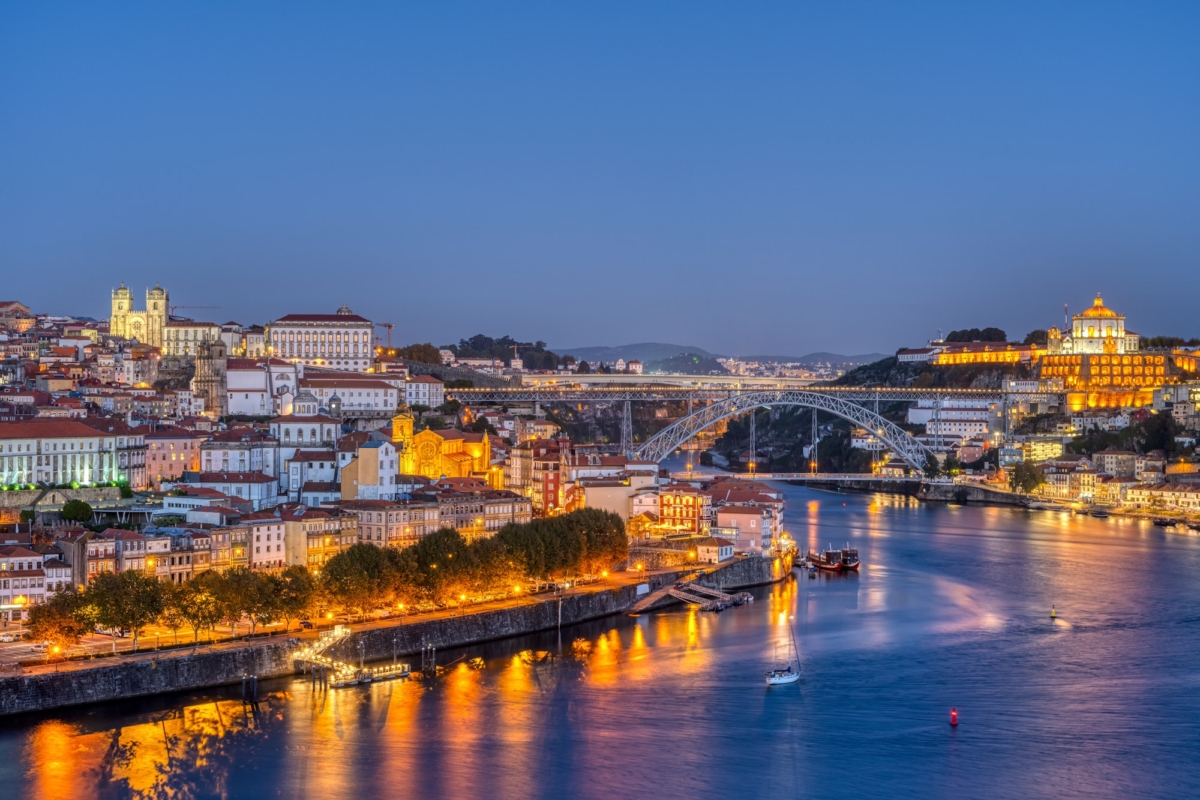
[[313, 434]]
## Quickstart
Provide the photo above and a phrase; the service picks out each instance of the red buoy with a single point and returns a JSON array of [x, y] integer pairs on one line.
[[954, 716]]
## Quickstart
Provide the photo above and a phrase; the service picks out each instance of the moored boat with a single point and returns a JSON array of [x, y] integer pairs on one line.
[[836, 560]]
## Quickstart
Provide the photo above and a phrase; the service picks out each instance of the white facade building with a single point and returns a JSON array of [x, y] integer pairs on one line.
[[424, 390], [342, 341], [183, 337]]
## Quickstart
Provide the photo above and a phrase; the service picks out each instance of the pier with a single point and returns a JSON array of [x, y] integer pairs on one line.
[[330, 671]]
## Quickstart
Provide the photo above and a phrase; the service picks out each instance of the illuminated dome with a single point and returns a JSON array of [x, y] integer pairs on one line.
[[1098, 310]]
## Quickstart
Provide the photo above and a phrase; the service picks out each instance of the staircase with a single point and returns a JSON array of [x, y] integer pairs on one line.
[[343, 673]]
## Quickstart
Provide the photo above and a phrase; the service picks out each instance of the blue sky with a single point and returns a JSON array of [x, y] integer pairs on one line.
[[744, 177]]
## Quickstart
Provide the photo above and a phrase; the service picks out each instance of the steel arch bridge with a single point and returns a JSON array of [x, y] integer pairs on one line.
[[663, 443]]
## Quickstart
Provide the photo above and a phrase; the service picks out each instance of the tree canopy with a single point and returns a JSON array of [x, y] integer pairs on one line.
[[76, 511], [1151, 342], [533, 355], [977, 335], [425, 353]]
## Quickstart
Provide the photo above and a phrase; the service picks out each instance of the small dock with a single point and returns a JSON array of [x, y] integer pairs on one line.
[[692, 593], [336, 673]]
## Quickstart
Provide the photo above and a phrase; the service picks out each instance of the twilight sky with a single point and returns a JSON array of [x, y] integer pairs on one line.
[[745, 177]]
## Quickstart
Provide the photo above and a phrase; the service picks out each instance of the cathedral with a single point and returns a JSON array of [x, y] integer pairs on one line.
[[145, 326], [434, 454]]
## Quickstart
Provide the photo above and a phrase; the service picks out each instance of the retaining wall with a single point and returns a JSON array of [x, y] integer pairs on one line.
[[172, 673]]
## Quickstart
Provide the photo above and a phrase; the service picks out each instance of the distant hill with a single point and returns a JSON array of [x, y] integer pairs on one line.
[[644, 352], [686, 364], [649, 352]]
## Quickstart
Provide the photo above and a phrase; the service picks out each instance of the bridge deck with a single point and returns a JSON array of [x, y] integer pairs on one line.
[[799, 476]]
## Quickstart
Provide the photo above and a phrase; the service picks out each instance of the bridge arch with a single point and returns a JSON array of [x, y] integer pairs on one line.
[[666, 441]]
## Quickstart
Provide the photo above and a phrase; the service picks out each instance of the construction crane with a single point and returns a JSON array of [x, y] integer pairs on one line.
[[389, 327], [172, 308]]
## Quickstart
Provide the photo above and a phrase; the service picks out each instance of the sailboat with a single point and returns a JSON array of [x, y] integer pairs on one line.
[[790, 671]]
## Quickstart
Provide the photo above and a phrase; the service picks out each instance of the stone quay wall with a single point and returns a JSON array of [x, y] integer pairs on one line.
[[173, 673], [926, 491], [141, 677]]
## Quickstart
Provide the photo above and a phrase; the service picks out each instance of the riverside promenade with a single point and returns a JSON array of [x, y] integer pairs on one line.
[[47, 687]]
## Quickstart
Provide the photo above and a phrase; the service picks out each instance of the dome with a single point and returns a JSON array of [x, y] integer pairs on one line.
[[344, 310], [1098, 310]]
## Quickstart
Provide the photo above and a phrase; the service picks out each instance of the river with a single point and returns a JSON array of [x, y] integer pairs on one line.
[[951, 609]]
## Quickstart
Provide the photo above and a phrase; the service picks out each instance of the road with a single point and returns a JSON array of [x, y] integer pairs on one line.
[[12, 653]]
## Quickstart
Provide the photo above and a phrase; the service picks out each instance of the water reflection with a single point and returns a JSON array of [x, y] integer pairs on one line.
[[951, 608]]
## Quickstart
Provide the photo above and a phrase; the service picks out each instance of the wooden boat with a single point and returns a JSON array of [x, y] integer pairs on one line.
[[832, 560]]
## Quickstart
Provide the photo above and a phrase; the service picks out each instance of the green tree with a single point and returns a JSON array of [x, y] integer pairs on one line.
[[129, 600], [28, 516], [198, 604], [1037, 337], [425, 353], [582, 368], [1025, 478], [951, 467], [977, 335], [58, 620], [932, 468], [172, 617], [450, 407], [359, 577], [246, 593], [76, 511], [295, 590], [481, 425]]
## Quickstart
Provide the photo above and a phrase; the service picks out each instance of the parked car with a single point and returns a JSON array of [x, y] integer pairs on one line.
[[39, 647], [306, 625], [8, 637]]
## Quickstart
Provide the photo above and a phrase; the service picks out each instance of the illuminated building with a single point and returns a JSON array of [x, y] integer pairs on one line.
[[969, 353], [1101, 364], [1099, 329], [145, 326], [1043, 448], [434, 454], [337, 341], [682, 508]]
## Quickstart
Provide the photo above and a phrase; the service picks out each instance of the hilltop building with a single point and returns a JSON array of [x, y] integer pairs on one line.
[[146, 326]]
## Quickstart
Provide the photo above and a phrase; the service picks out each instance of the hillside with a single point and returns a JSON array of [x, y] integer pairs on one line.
[[890, 372], [645, 352], [836, 359], [687, 364], [648, 352]]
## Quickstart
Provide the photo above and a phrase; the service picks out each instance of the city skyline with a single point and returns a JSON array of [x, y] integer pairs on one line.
[[864, 176]]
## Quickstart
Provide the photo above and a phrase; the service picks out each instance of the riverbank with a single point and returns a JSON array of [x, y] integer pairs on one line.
[[150, 674], [961, 493]]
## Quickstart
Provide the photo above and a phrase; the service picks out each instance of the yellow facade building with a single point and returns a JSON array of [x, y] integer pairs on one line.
[[1098, 360], [1101, 364], [435, 454]]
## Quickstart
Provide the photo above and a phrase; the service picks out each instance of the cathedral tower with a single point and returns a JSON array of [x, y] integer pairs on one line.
[[122, 304], [156, 315], [402, 438]]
